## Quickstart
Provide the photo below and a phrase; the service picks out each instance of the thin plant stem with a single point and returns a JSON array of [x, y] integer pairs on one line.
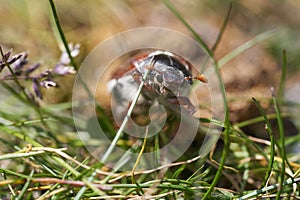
[[224, 98], [247, 45], [120, 131], [272, 139], [122, 161], [269, 188], [222, 30], [282, 88], [65, 43], [62, 35], [125, 121], [283, 76], [172, 8], [138, 160], [12, 192], [259, 119], [83, 189], [282, 144], [25, 187]]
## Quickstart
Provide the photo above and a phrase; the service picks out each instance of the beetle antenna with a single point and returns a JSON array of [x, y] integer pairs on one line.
[[201, 78]]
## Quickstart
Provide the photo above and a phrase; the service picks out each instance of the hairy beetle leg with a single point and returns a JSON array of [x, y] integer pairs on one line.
[[184, 101]]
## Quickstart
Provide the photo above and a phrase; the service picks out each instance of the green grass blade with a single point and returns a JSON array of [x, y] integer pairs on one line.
[[269, 188], [282, 144], [121, 129], [172, 8], [272, 139], [224, 98], [84, 188], [224, 25], [66, 47], [139, 189], [62, 35], [247, 45], [283, 76], [26, 185]]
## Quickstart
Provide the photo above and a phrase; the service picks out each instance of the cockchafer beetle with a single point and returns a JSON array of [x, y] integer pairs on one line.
[[168, 77]]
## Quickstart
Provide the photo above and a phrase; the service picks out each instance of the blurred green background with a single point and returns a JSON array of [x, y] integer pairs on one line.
[[25, 24]]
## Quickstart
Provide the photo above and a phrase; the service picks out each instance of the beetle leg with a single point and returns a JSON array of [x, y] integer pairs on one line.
[[150, 67], [179, 100], [162, 90]]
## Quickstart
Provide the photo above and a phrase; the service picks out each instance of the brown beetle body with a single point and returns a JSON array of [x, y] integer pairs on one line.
[[169, 76]]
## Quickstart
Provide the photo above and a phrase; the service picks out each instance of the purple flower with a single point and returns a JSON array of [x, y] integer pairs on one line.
[[64, 58], [48, 84], [31, 68], [9, 60], [61, 69], [20, 62], [45, 78], [46, 73], [36, 88]]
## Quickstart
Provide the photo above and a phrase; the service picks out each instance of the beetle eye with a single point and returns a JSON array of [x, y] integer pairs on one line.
[[189, 79]]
